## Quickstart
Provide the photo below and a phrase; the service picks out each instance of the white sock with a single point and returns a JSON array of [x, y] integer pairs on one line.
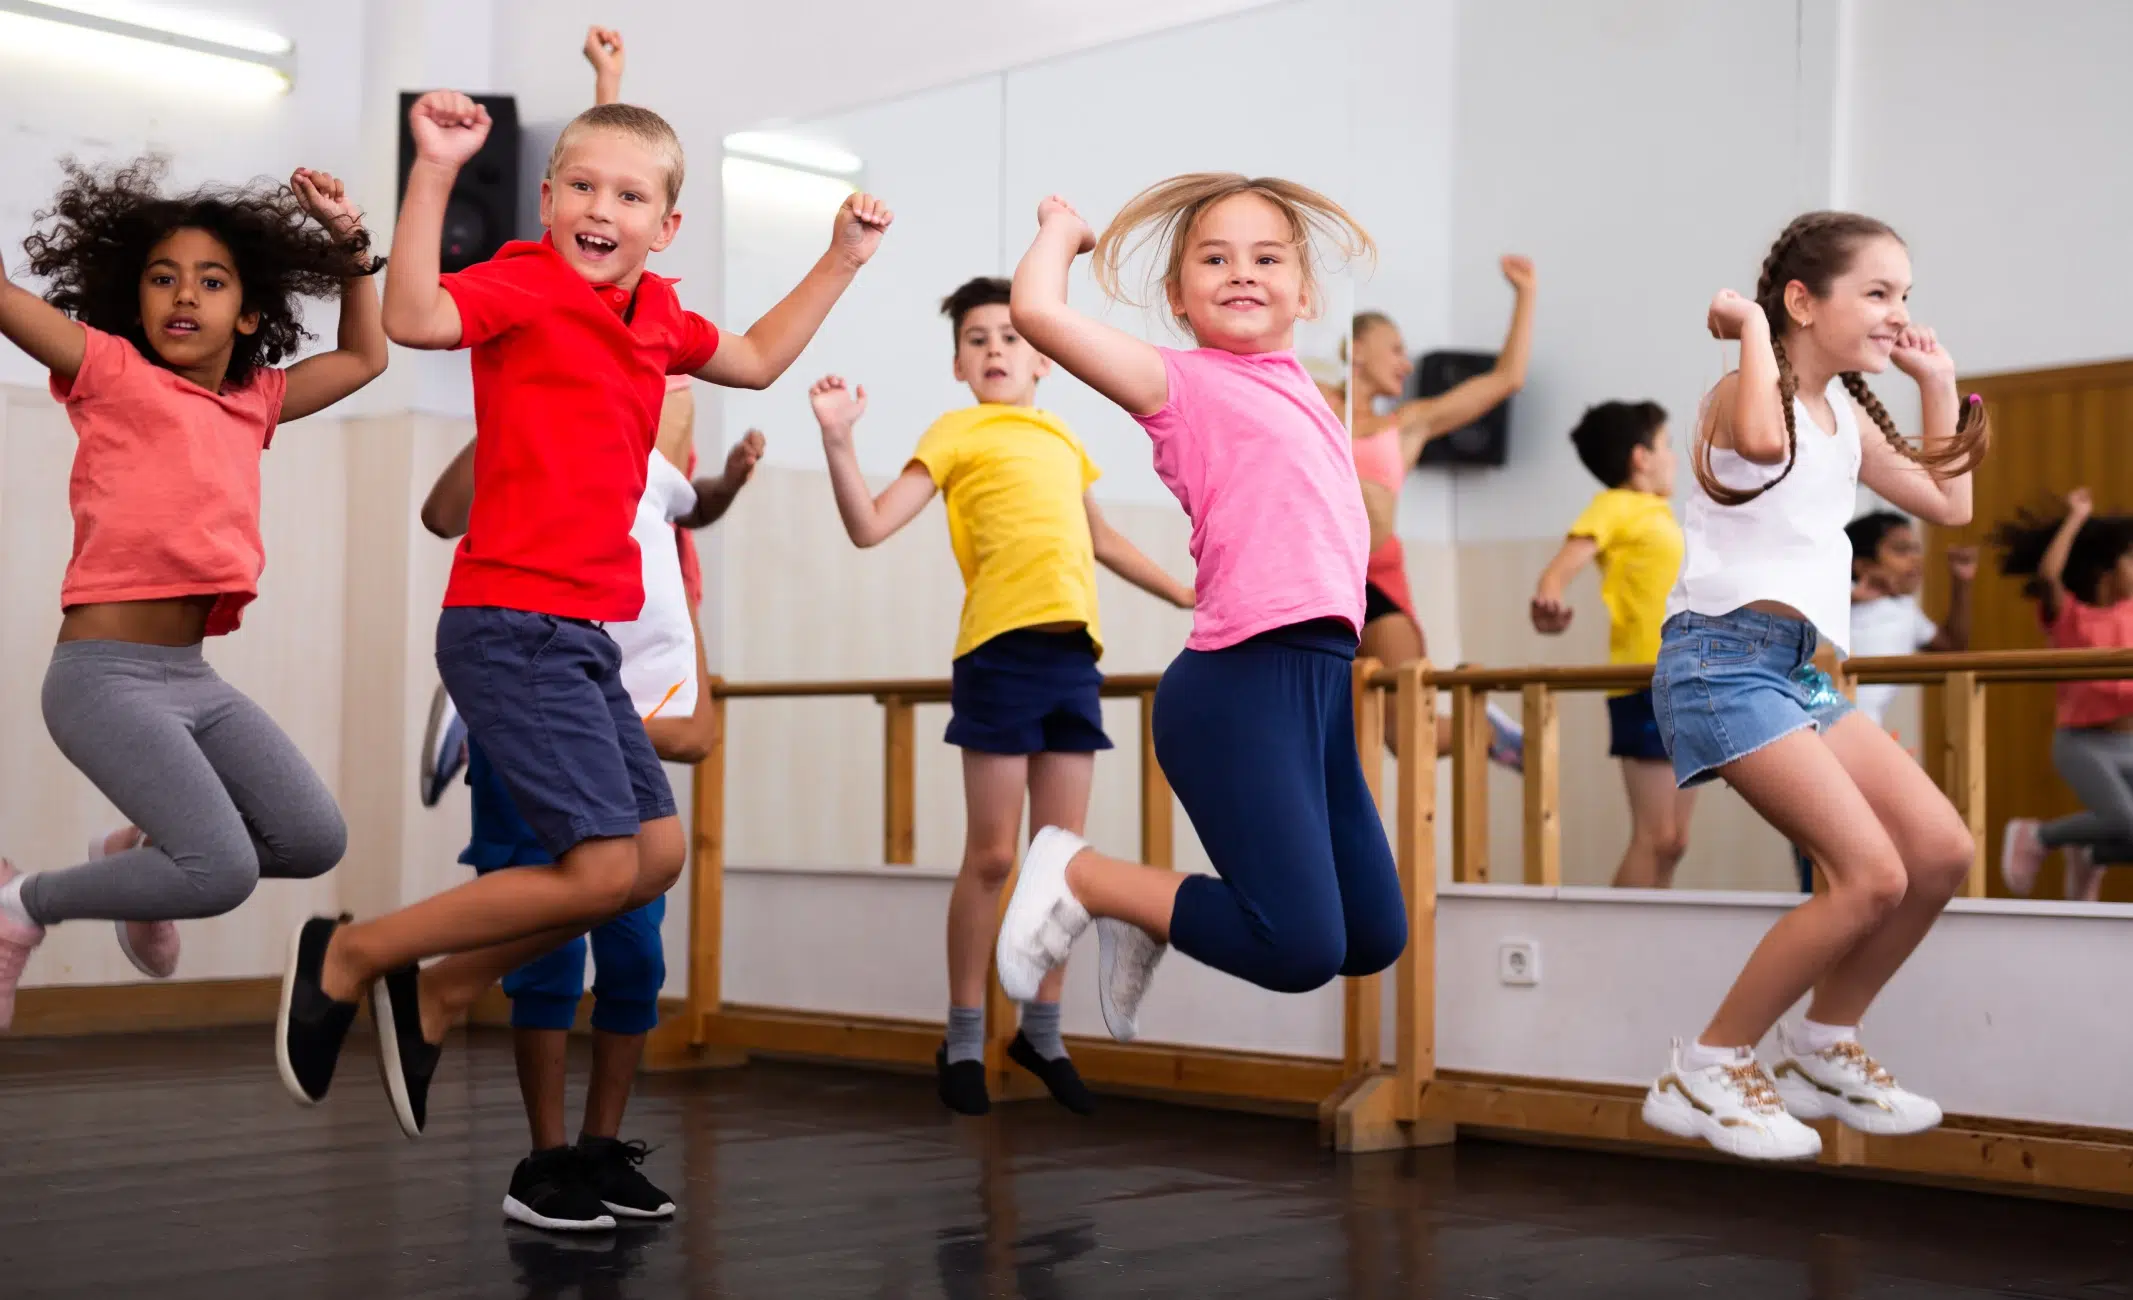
[[11, 901], [1698, 1055], [1813, 1036]]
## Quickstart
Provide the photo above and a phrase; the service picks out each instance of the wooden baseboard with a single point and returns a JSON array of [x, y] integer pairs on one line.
[[1247, 1080], [2062, 1162], [68, 1011]]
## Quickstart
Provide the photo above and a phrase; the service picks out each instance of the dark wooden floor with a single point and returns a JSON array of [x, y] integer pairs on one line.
[[173, 1167]]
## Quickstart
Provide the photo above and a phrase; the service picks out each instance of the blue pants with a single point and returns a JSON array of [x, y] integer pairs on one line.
[[629, 962], [1258, 741]]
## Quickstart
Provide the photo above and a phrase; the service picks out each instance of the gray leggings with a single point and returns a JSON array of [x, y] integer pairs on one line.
[[222, 794], [2099, 766]]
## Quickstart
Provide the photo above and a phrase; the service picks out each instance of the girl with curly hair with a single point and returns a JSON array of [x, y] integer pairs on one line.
[[164, 324]]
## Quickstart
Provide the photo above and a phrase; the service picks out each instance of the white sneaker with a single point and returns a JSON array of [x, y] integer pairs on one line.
[[1843, 1083], [1127, 958], [1043, 918], [1730, 1105], [2021, 855]]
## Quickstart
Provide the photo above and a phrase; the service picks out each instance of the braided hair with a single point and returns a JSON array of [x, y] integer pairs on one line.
[[1815, 249]]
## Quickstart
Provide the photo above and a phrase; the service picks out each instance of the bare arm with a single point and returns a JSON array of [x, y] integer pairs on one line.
[[451, 498], [757, 358], [1895, 477], [1550, 615], [1953, 632], [1745, 413], [448, 128], [50, 337], [1123, 558], [603, 49], [1427, 418], [868, 520], [714, 496], [2051, 568], [1123, 368], [689, 740], [361, 352]]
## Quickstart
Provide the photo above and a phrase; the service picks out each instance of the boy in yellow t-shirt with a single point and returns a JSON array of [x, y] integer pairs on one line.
[[1630, 529], [1026, 711]]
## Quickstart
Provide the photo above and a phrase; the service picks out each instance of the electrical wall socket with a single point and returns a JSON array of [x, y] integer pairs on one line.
[[1518, 962]]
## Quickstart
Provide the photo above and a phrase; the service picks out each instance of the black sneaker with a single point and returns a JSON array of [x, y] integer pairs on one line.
[[962, 1084], [405, 1062], [611, 1172], [310, 1027], [549, 1189], [1060, 1077]]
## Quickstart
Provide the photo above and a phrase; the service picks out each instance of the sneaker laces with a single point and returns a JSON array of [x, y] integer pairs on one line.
[[1757, 1092], [1853, 1057], [632, 1152]]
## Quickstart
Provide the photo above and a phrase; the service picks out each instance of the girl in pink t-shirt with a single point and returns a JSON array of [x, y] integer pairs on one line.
[[162, 325], [1254, 724], [2081, 572]]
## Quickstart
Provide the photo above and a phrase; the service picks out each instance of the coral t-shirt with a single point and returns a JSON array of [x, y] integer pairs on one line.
[[2092, 627], [165, 488]]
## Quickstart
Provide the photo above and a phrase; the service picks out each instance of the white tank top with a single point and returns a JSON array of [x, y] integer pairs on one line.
[[1787, 545]]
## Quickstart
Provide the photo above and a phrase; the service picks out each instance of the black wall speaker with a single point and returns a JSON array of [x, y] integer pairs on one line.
[[483, 213], [1487, 441]]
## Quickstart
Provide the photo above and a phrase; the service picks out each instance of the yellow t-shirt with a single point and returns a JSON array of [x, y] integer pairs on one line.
[[1640, 560], [1013, 478]]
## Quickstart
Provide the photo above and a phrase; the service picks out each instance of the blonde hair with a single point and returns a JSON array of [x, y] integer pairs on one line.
[[1167, 211], [640, 124]]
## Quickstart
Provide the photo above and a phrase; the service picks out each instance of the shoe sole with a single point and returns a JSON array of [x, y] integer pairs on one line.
[[281, 1023], [1663, 1112], [395, 1078], [625, 1212], [1807, 1104], [518, 1212]]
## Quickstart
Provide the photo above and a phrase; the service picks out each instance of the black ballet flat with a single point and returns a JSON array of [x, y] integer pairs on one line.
[[962, 1084], [1060, 1078]]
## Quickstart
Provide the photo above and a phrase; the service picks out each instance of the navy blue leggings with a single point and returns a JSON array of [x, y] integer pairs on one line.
[[1258, 740]]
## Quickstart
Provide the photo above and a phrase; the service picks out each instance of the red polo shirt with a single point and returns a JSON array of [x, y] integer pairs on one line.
[[566, 409]]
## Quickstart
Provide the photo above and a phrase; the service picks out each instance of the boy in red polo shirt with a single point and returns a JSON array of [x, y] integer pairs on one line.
[[573, 340]]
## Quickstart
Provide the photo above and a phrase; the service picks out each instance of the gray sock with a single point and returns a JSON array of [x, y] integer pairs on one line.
[[966, 1034], [1040, 1025]]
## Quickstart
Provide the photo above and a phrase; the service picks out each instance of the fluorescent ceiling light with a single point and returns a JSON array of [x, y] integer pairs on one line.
[[793, 190], [794, 151], [136, 42]]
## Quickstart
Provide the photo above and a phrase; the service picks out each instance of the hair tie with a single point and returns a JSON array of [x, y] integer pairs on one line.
[[1977, 399]]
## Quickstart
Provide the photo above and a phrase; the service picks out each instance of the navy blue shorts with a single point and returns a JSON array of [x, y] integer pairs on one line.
[[543, 697], [629, 961], [1633, 729], [1028, 692]]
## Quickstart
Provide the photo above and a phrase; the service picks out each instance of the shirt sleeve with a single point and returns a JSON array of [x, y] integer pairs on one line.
[[1176, 413], [1923, 629], [937, 450], [694, 345], [104, 360], [1600, 521], [494, 297], [268, 387]]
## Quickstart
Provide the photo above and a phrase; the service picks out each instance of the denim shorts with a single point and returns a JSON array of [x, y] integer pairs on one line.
[[1028, 692], [1728, 685], [543, 698]]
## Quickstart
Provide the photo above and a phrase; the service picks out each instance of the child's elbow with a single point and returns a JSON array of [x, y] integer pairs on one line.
[[690, 751]]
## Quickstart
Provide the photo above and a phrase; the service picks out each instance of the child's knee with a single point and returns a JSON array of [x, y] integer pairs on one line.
[[989, 864], [311, 847], [606, 879], [1945, 859], [1669, 844], [1375, 945], [1300, 959], [1874, 888], [222, 872]]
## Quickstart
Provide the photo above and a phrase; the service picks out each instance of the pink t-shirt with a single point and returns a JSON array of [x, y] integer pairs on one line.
[[2092, 627], [1266, 474], [165, 487]]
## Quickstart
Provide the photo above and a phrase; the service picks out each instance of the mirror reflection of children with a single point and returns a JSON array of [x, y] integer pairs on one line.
[[2080, 568], [1630, 531]]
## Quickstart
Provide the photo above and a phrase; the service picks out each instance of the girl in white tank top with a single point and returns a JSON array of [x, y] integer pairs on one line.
[[1781, 446]]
